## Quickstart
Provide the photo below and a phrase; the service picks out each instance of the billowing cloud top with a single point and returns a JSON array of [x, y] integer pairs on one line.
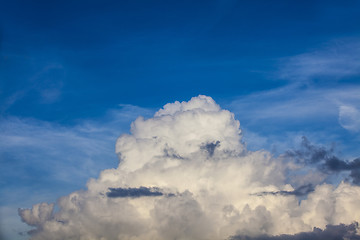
[[179, 130], [184, 174]]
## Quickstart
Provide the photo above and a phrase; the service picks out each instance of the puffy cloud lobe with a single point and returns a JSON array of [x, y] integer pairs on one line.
[[185, 174], [38, 215], [181, 127]]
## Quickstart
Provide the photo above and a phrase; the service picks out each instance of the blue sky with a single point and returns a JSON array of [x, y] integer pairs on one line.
[[75, 74]]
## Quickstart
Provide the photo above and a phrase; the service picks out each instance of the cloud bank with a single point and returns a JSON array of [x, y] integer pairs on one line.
[[186, 174]]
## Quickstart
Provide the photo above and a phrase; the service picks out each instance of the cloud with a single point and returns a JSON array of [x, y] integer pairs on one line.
[[277, 119], [134, 192], [73, 149], [185, 173], [300, 191], [325, 159], [294, 103], [309, 153], [331, 232], [210, 147], [336, 60], [44, 160], [38, 214], [46, 84]]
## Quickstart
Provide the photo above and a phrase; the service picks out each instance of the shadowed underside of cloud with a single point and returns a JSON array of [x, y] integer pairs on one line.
[[325, 160], [134, 192], [331, 232], [300, 191], [194, 149]]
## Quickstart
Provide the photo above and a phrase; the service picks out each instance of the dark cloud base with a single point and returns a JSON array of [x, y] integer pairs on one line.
[[325, 160], [300, 191], [331, 232], [133, 192]]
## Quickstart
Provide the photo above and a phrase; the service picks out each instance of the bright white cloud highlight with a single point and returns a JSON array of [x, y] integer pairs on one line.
[[187, 175]]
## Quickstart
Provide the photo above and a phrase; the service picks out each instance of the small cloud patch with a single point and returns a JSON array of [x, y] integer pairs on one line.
[[300, 191], [210, 147], [133, 192]]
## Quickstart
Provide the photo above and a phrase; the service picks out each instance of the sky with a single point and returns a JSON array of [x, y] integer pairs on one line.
[[75, 75]]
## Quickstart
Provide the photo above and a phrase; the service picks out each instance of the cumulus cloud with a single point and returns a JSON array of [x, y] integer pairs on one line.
[[331, 232], [38, 214], [186, 174]]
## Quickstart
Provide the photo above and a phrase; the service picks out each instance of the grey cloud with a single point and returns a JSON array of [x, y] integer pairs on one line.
[[39, 214], [210, 147], [133, 192], [336, 165], [355, 174], [309, 153], [171, 153], [325, 159], [331, 232], [300, 191]]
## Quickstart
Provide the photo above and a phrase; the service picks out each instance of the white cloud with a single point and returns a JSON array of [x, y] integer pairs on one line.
[[191, 153], [38, 215]]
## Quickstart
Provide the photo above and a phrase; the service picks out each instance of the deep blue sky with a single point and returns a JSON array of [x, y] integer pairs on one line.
[[69, 59], [74, 74]]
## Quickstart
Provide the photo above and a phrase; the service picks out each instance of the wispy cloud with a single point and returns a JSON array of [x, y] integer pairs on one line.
[[78, 150], [336, 60], [295, 109], [44, 160], [294, 104], [46, 84]]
